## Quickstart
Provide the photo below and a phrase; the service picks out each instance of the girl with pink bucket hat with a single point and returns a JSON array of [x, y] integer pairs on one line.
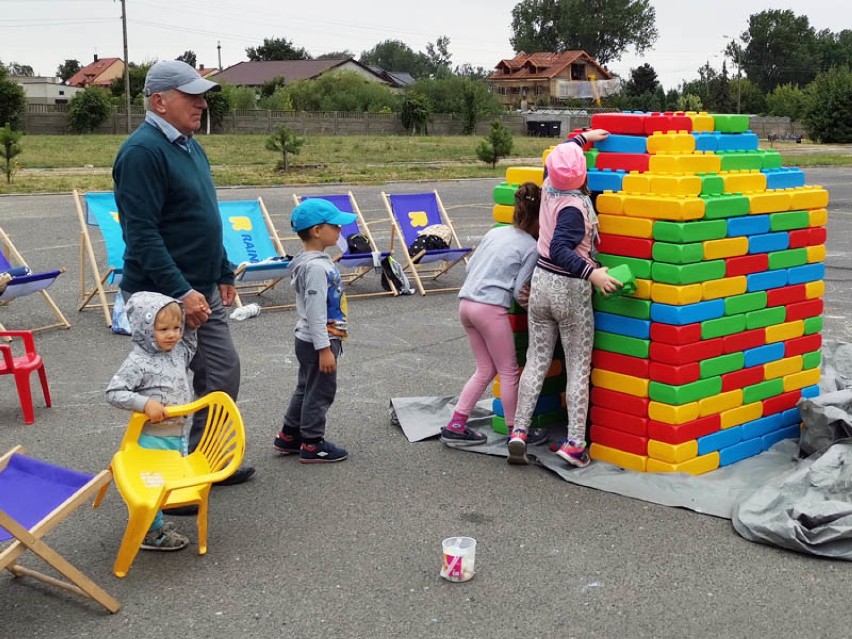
[[560, 303]]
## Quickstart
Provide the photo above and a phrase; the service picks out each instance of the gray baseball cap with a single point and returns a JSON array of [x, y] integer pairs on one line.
[[176, 74]]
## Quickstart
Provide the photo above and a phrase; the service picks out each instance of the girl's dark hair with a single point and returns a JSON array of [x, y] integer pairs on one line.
[[527, 202]]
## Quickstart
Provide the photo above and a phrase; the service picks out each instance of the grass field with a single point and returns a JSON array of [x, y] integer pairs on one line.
[[59, 163]]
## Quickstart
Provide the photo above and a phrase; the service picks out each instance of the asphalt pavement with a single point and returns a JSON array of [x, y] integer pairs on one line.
[[353, 549]]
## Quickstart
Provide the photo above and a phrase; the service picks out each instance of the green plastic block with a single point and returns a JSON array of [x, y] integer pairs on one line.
[[685, 232], [722, 326], [592, 157], [730, 123], [688, 273], [678, 395], [711, 183], [740, 160], [639, 267], [725, 205], [813, 325], [789, 221], [763, 390], [620, 305], [811, 360], [722, 364], [766, 317], [770, 159], [498, 425], [613, 343], [678, 253], [745, 302], [788, 258], [522, 340], [516, 309], [504, 193]]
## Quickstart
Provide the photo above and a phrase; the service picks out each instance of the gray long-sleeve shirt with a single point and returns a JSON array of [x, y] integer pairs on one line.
[[502, 263]]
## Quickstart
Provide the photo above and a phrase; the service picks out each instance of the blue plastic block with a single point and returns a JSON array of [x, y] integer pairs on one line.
[[622, 325], [706, 140], [687, 314], [545, 404], [601, 180], [768, 242], [791, 432], [790, 416], [768, 279], [806, 273], [737, 142], [810, 391], [762, 426], [750, 225], [784, 178], [762, 354], [617, 143], [720, 439], [741, 451]]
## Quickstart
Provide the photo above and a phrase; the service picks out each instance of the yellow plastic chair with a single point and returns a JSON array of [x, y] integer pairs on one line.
[[151, 480]]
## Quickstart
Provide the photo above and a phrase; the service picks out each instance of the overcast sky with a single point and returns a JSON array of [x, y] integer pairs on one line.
[[43, 33]]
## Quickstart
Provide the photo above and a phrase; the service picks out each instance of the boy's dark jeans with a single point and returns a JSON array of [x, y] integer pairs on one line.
[[314, 393]]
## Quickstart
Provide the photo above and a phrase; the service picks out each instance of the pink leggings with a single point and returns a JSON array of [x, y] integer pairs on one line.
[[490, 336]]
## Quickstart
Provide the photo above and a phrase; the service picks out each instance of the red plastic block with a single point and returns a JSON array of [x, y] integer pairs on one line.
[[801, 310], [676, 335], [620, 401], [587, 146], [625, 246], [667, 121], [743, 341], [616, 420], [518, 322], [781, 402], [695, 352], [618, 440], [786, 295], [623, 161], [808, 237], [742, 378], [802, 345], [674, 375], [625, 364], [680, 433], [746, 264], [626, 123]]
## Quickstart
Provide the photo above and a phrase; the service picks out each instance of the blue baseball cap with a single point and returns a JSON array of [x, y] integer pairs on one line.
[[314, 211]]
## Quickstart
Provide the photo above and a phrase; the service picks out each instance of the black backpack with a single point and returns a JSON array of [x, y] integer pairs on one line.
[[392, 272], [426, 243], [358, 243]]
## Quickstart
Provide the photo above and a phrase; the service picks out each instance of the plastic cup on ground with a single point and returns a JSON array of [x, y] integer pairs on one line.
[[459, 555]]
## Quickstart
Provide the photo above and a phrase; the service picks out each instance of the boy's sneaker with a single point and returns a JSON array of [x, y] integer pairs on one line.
[[518, 447], [287, 444], [575, 453], [322, 453], [467, 437], [165, 539]]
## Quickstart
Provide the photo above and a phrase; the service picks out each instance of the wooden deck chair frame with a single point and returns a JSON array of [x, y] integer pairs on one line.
[[14, 257], [24, 539], [361, 267], [419, 272]]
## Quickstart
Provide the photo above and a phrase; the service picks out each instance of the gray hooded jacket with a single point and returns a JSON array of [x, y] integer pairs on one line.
[[150, 372], [320, 302]]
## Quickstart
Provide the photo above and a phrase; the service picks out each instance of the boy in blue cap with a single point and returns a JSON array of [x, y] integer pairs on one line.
[[320, 329]]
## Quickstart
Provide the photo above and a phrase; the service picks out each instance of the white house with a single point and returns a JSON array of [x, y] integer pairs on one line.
[[40, 90]]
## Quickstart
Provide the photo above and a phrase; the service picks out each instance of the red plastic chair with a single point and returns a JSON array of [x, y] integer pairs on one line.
[[22, 367]]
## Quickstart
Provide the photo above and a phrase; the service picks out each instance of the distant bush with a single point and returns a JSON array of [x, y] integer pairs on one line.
[[89, 109]]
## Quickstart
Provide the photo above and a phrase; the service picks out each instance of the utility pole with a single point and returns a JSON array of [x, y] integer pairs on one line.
[[126, 64], [219, 50]]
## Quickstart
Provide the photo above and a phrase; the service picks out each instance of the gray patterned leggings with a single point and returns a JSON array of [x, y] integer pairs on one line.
[[559, 307]]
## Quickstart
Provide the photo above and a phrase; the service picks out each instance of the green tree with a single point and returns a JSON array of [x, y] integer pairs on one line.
[[689, 102], [276, 49], [188, 57], [828, 115], [394, 55], [269, 87], [460, 96], [89, 109], [346, 54], [415, 113], [278, 101], [605, 29], [67, 69], [20, 70], [285, 142], [467, 70], [643, 79], [9, 148], [218, 106], [137, 73], [498, 144], [787, 100], [340, 91], [439, 57], [835, 49], [13, 100]]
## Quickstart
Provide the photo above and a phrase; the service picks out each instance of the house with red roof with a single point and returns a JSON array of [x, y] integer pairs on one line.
[[101, 72]]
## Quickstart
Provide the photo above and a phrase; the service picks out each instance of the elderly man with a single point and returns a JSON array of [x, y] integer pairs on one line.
[[170, 220]]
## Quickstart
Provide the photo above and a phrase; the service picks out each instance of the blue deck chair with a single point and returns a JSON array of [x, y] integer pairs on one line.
[[99, 210], [35, 496], [253, 246], [411, 213], [357, 265], [24, 282]]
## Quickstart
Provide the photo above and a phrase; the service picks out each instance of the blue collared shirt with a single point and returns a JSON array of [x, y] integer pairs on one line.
[[172, 134]]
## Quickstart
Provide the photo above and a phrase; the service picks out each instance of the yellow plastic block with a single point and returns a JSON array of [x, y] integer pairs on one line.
[[629, 226], [671, 143], [676, 295], [727, 247], [785, 331], [808, 197], [636, 183], [725, 287], [676, 184], [816, 253], [643, 289], [742, 414], [620, 382], [743, 181], [618, 457], [672, 453], [697, 466], [782, 367], [610, 202], [720, 403], [702, 121], [818, 217], [671, 414], [698, 162], [545, 153], [769, 201], [660, 207], [495, 388], [814, 290], [521, 174], [503, 213], [801, 380]]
